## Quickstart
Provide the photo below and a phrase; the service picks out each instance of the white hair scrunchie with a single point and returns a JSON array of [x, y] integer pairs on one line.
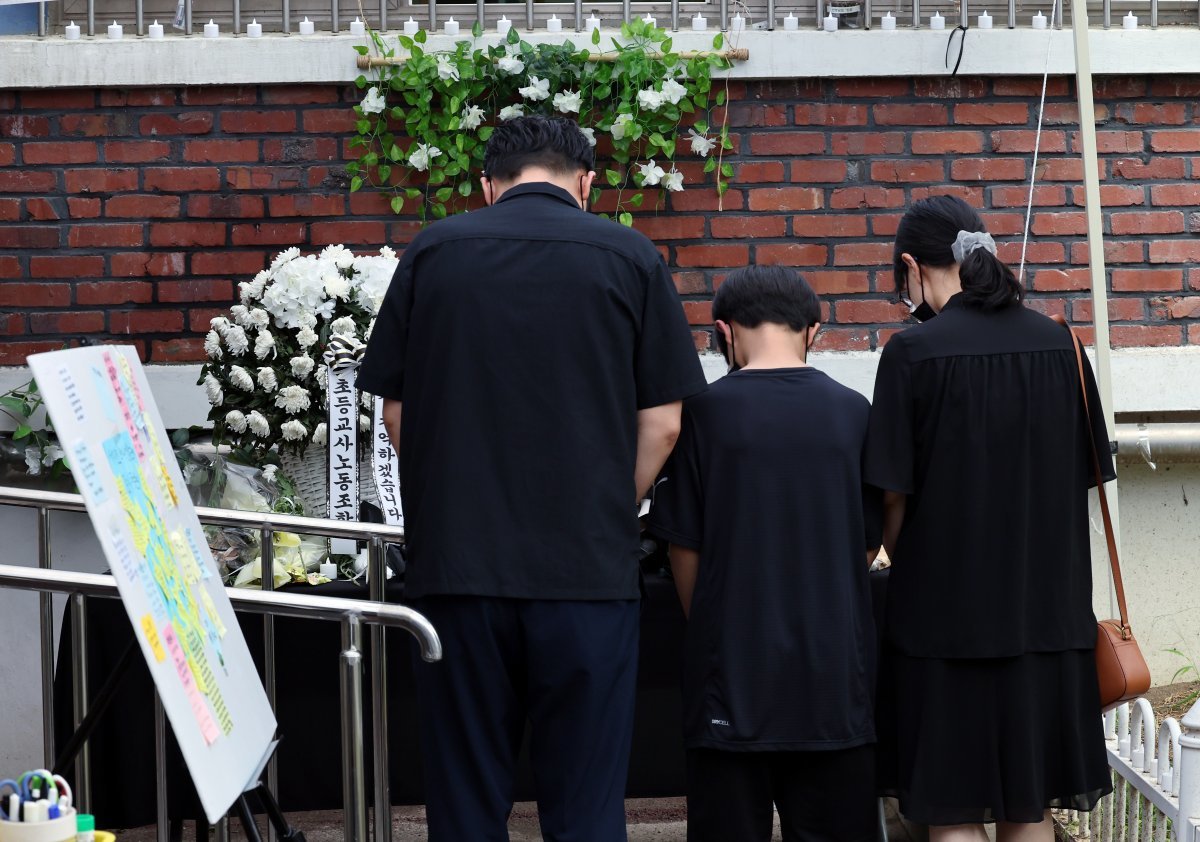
[[968, 241]]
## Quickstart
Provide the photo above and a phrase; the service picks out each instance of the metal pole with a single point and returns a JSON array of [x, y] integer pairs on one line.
[[354, 802], [221, 829], [237, 17], [139, 12], [867, 12], [1058, 13], [377, 570], [1095, 235], [46, 624], [964, 15], [480, 12], [625, 13], [1107, 14], [821, 14], [79, 688], [91, 15], [333, 15], [42, 20], [383, 10], [287, 15], [1012, 13], [1154, 14], [187, 16], [579, 14], [916, 9], [432, 11], [770, 13], [529, 15], [675, 14], [162, 812], [266, 541], [724, 14]]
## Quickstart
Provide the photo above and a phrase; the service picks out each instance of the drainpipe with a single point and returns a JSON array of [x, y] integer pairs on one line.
[[1154, 443]]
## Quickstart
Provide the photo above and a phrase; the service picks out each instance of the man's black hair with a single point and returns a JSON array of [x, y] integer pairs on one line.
[[553, 143], [755, 294]]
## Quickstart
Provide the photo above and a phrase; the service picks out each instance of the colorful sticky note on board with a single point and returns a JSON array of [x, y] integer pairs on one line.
[[211, 610], [151, 635]]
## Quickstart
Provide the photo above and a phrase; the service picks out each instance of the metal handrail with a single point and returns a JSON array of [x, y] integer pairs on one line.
[[351, 613]]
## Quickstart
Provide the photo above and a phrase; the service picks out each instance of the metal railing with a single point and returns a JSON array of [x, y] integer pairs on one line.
[[1156, 779], [350, 613], [386, 16]]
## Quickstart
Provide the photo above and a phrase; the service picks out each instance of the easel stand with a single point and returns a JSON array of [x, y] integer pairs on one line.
[[101, 703]]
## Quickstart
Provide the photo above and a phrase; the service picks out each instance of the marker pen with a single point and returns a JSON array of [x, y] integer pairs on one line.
[[14, 808], [29, 811]]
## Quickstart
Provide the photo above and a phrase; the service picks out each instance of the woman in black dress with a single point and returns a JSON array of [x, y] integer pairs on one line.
[[979, 438]]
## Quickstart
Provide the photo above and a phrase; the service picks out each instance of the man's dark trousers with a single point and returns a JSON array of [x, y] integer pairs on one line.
[[570, 667]]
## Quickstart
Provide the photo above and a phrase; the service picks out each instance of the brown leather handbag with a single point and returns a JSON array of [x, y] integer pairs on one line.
[[1120, 666]]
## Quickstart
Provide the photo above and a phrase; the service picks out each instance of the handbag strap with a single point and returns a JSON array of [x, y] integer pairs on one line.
[[1114, 561]]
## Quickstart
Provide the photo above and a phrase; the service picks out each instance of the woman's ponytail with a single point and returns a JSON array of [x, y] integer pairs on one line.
[[987, 283]]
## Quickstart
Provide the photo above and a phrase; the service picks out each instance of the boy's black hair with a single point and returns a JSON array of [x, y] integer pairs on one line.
[[927, 232], [553, 143], [755, 294]]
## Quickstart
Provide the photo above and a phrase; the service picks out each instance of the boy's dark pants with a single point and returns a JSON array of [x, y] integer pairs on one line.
[[822, 796], [570, 667]]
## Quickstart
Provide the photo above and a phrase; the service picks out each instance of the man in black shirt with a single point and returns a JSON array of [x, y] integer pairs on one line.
[[540, 356], [763, 504]]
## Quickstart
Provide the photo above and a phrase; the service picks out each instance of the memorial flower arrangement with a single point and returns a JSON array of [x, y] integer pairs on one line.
[[265, 374], [423, 123]]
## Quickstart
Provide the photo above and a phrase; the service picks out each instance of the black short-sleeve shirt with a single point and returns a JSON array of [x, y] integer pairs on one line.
[[978, 417], [522, 340], [765, 482]]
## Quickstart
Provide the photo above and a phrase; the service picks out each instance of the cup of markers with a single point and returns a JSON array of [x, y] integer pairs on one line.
[[36, 807]]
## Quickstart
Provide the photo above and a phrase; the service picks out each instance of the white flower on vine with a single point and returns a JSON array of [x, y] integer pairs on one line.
[[306, 337], [345, 326], [258, 424], [235, 421], [236, 341], [620, 126], [319, 434], [652, 173], [701, 144], [511, 65], [264, 344], [241, 378], [421, 157], [267, 379], [293, 399], [510, 111], [673, 92], [212, 345], [374, 102], [673, 180], [293, 430], [472, 117], [212, 390], [590, 134], [567, 103], [650, 99], [447, 69], [302, 366], [536, 90]]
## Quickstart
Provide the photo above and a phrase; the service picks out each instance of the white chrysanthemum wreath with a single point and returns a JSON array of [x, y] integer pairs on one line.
[[264, 377]]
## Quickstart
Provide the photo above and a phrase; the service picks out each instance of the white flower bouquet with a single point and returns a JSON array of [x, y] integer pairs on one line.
[[264, 377]]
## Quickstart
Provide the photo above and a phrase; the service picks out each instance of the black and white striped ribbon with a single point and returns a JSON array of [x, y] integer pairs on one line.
[[344, 352]]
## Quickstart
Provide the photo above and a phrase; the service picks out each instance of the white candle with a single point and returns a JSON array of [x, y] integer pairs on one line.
[[985, 21], [650, 20], [307, 27], [791, 22], [554, 24], [254, 29], [831, 22], [154, 31], [888, 22], [71, 32], [502, 25], [410, 27], [115, 32], [1039, 21], [699, 23], [1129, 21], [937, 21], [450, 27], [593, 23], [738, 23], [211, 30], [358, 28]]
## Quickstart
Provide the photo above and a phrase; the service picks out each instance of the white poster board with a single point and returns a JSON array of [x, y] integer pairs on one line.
[[118, 450]]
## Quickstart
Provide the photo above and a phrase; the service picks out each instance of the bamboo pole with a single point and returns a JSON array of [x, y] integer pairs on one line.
[[733, 54]]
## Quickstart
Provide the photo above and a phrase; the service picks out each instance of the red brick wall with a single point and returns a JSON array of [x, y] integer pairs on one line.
[[131, 215]]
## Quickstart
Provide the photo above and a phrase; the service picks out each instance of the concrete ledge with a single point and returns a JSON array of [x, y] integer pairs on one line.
[[51, 62]]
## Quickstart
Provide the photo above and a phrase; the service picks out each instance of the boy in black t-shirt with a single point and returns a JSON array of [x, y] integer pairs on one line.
[[762, 502]]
